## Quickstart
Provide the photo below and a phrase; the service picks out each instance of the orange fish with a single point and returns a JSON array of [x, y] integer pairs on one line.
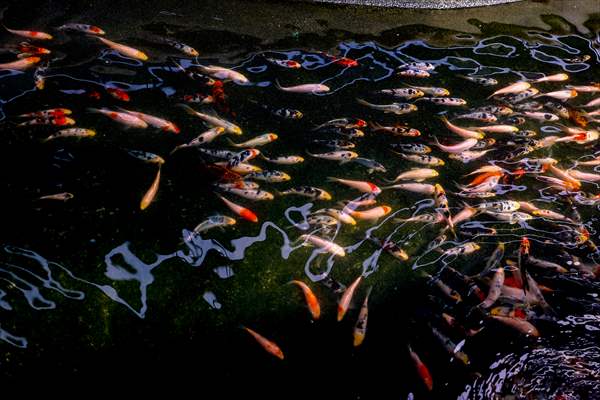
[[30, 34], [422, 369], [243, 212], [372, 213], [118, 94], [346, 298], [30, 49], [311, 299], [21, 64], [124, 50], [268, 345], [151, 193]]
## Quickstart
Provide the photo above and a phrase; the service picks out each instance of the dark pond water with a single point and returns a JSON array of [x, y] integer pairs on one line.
[[93, 285]]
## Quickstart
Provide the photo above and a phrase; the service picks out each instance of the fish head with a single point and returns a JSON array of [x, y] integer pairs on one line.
[[386, 209], [272, 137], [325, 196]]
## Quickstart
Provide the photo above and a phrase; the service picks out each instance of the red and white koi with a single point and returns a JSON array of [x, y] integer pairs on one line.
[[30, 34], [50, 113], [243, 212], [123, 118], [155, 122], [83, 28], [285, 63], [57, 121], [366, 187]]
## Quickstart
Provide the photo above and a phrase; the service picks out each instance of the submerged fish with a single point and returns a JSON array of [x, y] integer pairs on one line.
[[269, 346]]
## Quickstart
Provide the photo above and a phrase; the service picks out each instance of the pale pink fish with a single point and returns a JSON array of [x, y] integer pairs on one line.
[[463, 132], [585, 89], [124, 50], [156, 122], [560, 94], [422, 188], [456, 148], [346, 298], [224, 73], [517, 87], [306, 88], [584, 176], [590, 163], [592, 103], [495, 288], [553, 78], [495, 128], [324, 244], [363, 186], [463, 215], [541, 116], [121, 117], [30, 34]]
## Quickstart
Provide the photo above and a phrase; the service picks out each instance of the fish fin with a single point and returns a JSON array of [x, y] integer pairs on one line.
[[231, 142], [93, 110], [278, 85]]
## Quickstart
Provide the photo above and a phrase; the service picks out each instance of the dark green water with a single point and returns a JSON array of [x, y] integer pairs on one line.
[[95, 286]]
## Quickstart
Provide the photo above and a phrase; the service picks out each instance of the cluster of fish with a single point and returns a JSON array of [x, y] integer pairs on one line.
[[506, 290]]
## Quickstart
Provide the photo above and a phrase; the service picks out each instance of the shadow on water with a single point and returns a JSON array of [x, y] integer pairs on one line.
[[94, 284]]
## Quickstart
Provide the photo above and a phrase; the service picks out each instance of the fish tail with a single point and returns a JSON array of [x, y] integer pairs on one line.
[[231, 142], [278, 85], [388, 181], [93, 110], [332, 179], [375, 126], [363, 102]]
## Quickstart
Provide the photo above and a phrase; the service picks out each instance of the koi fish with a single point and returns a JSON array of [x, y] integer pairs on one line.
[[250, 194], [432, 91], [223, 73], [366, 187], [468, 156], [346, 298], [205, 137], [423, 66], [308, 191], [444, 101], [495, 128], [59, 196], [285, 63], [243, 212], [184, 48], [518, 324], [422, 188], [30, 34], [341, 156], [83, 28], [240, 168], [338, 144], [57, 121], [441, 204], [511, 89], [26, 50], [118, 94], [541, 116], [500, 206], [326, 245], [213, 120], [404, 93], [215, 221], [462, 132], [155, 122], [22, 64], [50, 113], [414, 73], [311, 299], [418, 175], [495, 288], [145, 156], [463, 249], [126, 119], [72, 132], [480, 80], [360, 329], [257, 141], [450, 347], [390, 248], [306, 88], [479, 116], [270, 176], [560, 95], [412, 148], [371, 214], [283, 160], [394, 108], [151, 193], [423, 159], [346, 123], [125, 50], [199, 98], [269, 346], [422, 369], [552, 78], [372, 165], [396, 130], [457, 148]]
